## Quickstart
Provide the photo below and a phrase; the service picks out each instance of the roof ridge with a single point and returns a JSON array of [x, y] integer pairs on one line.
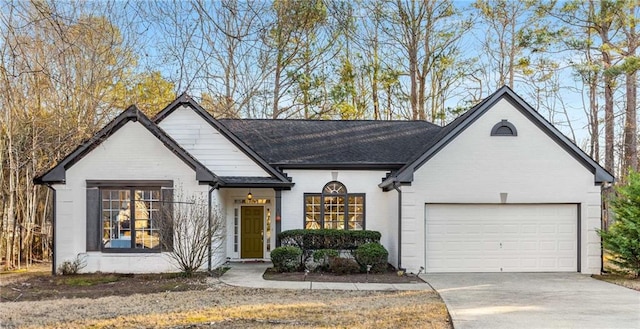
[[319, 120]]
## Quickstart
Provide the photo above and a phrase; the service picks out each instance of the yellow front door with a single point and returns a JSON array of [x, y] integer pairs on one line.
[[251, 232]]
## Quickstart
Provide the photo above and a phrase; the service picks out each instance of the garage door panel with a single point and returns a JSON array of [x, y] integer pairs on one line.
[[529, 229], [548, 228], [564, 246], [564, 228], [494, 238]]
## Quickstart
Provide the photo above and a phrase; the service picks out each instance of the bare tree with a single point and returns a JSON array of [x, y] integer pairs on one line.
[[58, 64], [191, 231], [427, 33]]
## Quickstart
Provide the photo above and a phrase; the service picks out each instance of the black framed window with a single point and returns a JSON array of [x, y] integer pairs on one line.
[[129, 217], [334, 208]]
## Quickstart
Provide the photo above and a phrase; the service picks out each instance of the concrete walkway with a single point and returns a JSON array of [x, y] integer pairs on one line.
[[535, 300], [250, 275]]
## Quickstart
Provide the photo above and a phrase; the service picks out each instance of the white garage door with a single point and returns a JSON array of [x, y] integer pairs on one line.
[[501, 238]]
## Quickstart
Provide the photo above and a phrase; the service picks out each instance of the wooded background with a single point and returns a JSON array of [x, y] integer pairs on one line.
[[67, 68]]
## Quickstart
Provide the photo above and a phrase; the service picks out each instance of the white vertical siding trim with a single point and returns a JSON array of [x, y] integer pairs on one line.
[[208, 146]]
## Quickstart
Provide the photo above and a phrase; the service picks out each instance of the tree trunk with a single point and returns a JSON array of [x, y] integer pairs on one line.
[[276, 86], [631, 126], [608, 122], [375, 78], [631, 77], [413, 75], [594, 120]]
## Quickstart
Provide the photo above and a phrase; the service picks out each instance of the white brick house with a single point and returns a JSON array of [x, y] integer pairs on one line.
[[498, 189]]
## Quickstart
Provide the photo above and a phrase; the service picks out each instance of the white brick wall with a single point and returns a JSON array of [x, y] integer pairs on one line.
[[476, 167], [380, 210], [132, 153]]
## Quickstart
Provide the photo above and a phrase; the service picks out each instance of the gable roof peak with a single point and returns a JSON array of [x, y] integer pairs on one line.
[[57, 174], [453, 129], [184, 98]]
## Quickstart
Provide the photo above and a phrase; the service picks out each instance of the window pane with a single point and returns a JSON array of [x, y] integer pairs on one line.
[[356, 212], [334, 209], [335, 188], [147, 208], [116, 232], [312, 212]]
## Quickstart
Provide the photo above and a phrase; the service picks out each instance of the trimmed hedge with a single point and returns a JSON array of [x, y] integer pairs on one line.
[[373, 254], [328, 239], [322, 257], [286, 259]]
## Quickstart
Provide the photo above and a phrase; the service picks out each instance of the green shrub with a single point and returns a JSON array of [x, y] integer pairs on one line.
[[321, 258], [339, 265], [373, 254], [622, 239], [286, 259], [327, 239]]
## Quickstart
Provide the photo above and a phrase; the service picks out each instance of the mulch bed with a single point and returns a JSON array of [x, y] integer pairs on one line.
[[386, 277]]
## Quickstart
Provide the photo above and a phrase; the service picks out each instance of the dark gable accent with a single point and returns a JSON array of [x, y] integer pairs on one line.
[[452, 130], [186, 100], [57, 174], [93, 219], [504, 128]]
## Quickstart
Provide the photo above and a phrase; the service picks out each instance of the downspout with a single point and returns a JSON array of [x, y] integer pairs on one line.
[[53, 231], [604, 208], [278, 214], [397, 188], [209, 233]]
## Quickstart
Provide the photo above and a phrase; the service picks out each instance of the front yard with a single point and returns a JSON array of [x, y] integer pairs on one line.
[[113, 301]]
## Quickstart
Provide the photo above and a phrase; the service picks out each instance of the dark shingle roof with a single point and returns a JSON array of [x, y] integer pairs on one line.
[[249, 181], [355, 143]]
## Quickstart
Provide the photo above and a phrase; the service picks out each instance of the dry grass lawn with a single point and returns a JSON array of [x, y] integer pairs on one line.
[[616, 276], [216, 305], [621, 280]]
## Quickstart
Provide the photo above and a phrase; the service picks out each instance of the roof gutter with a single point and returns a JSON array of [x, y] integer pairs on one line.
[[209, 233], [53, 231]]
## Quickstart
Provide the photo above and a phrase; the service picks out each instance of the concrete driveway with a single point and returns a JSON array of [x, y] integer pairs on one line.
[[535, 300]]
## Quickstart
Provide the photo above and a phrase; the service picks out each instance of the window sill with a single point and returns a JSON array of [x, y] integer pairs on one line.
[[131, 251]]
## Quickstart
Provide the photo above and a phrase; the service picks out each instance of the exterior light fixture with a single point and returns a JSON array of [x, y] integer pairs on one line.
[[249, 196]]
